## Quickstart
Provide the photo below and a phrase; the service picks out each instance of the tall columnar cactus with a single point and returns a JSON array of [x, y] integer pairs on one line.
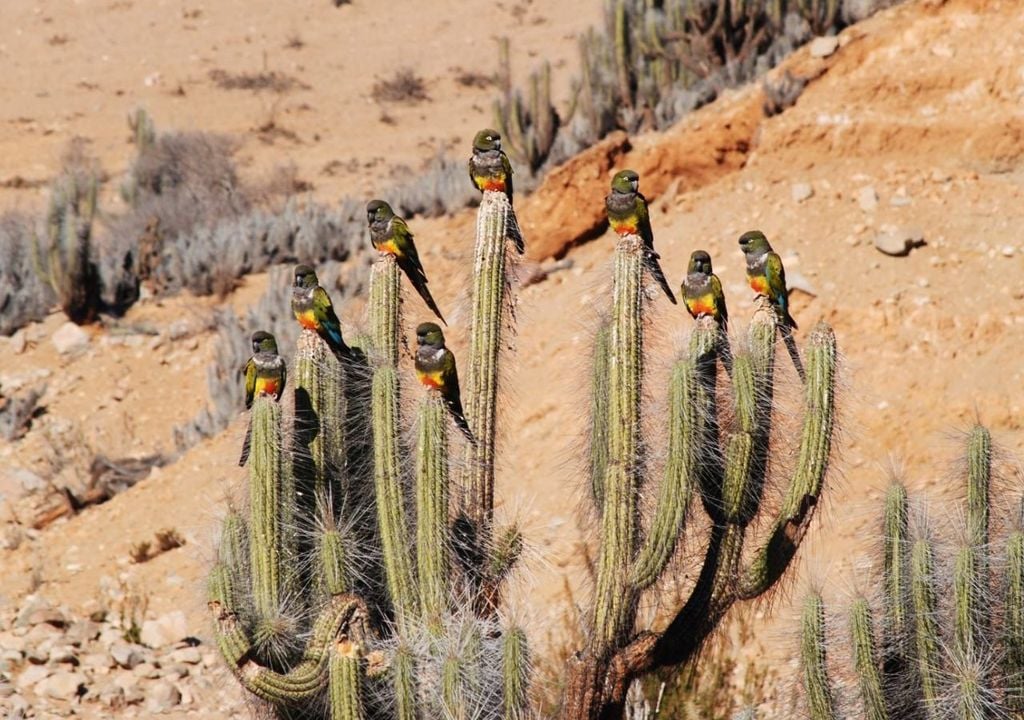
[[951, 640], [301, 567], [727, 466]]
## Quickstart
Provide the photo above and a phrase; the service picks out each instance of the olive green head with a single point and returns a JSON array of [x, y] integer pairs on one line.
[[263, 342], [625, 181], [700, 262], [378, 211], [429, 335], [487, 140], [305, 277], [754, 242]]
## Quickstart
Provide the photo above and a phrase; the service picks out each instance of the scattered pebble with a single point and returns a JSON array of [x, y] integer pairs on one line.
[[867, 198], [69, 338], [898, 241], [822, 47], [802, 191]]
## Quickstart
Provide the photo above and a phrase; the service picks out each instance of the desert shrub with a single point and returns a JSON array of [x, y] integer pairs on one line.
[[24, 296]]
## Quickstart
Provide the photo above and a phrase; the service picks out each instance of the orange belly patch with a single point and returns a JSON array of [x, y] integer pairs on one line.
[[266, 386], [307, 319], [389, 247], [759, 284], [624, 227], [431, 380], [496, 184], [704, 305]]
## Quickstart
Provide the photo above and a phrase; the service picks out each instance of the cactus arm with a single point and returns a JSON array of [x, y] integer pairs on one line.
[[865, 661], [266, 543], [599, 413], [817, 685], [926, 633], [613, 607], [1013, 621], [345, 681], [403, 669], [432, 509], [515, 674], [319, 408]]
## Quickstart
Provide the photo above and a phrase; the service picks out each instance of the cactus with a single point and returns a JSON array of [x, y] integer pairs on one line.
[[943, 653], [66, 261], [300, 566], [727, 466]]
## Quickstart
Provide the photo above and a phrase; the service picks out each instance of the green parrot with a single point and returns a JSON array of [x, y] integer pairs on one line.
[[314, 311], [390, 234], [435, 368], [702, 290], [628, 215], [489, 169], [766, 275], [265, 374]]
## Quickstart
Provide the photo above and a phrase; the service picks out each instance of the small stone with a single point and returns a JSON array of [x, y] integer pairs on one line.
[[112, 695], [165, 630], [162, 696], [899, 201], [82, 631], [69, 338], [19, 341], [188, 655], [1007, 251], [98, 660], [62, 685], [822, 47], [802, 191], [867, 198], [177, 330], [31, 675], [64, 655], [146, 670], [37, 655], [174, 671], [126, 655], [898, 241], [6, 688]]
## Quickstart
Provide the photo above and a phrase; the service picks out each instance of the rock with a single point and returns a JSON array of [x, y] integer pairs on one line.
[[10, 641], [82, 631], [31, 675], [1007, 251], [64, 655], [6, 688], [898, 241], [174, 671], [112, 695], [177, 330], [37, 655], [867, 198], [165, 630], [822, 47], [126, 655], [899, 201], [146, 670], [802, 191], [162, 696], [69, 338], [133, 695], [63, 685], [187, 655], [19, 341], [98, 660]]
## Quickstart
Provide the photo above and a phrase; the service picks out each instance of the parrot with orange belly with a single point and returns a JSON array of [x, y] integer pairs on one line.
[[702, 290], [265, 374], [390, 235], [766, 275], [435, 369], [314, 311], [628, 215], [490, 170]]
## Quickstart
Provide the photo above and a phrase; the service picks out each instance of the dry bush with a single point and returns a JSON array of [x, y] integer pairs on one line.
[[256, 81], [405, 86]]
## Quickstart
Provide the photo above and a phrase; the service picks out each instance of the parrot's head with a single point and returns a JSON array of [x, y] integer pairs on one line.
[[429, 335], [487, 140], [378, 211], [754, 243], [625, 181], [305, 277], [263, 342], [700, 262]]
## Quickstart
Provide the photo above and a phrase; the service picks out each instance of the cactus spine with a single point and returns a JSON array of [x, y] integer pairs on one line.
[[812, 656]]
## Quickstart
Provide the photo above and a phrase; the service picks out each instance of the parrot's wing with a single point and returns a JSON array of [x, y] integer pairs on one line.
[[284, 379], [507, 167], [776, 276], [404, 240], [250, 382], [716, 289], [643, 224]]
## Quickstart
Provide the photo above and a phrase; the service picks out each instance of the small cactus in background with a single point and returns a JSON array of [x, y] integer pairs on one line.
[[66, 260], [720, 455], [948, 643], [305, 619]]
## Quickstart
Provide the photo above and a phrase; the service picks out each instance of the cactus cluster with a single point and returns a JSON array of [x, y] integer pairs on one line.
[[352, 585], [945, 639], [719, 452]]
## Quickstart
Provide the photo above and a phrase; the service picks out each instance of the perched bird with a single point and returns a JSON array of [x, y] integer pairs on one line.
[[766, 275], [435, 368], [265, 374], [628, 215], [489, 169], [702, 290], [390, 234], [314, 311]]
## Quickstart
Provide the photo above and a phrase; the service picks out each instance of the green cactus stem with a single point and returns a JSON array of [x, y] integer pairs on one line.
[[319, 410], [515, 673], [403, 674], [1013, 621], [385, 309], [865, 661], [432, 510], [812, 655], [495, 219], [895, 554], [345, 682], [614, 600], [599, 412], [926, 632], [266, 534], [334, 572]]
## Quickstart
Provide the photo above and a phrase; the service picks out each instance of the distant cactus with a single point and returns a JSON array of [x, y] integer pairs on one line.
[[948, 644], [66, 259], [721, 456], [305, 619]]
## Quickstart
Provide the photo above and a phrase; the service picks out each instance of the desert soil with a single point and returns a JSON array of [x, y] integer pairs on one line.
[[912, 126]]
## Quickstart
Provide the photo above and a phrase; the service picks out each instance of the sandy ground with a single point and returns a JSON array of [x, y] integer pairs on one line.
[[912, 106]]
